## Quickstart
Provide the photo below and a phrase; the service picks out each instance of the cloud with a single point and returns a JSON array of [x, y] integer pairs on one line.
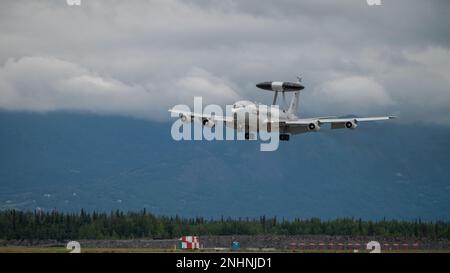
[[363, 95], [138, 58], [203, 84], [49, 84]]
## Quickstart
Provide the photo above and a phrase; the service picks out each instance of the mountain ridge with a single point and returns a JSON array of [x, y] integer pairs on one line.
[[69, 161]]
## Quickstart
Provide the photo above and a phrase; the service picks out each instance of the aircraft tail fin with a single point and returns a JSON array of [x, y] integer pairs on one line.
[[293, 106]]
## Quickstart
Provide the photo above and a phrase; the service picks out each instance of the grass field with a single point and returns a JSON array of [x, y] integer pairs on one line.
[[154, 250]]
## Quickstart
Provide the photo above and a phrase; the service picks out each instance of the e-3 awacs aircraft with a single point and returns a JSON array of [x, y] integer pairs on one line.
[[287, 122]]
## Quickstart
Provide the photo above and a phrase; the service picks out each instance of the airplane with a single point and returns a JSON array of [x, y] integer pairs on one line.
[[287, 122]]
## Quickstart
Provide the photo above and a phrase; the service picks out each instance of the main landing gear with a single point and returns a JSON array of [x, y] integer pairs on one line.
[[284, 137]]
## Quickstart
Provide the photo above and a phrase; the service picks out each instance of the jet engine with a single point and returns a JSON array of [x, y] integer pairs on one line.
[[313, 126], [208, 123], [185, 119], [351, 125]]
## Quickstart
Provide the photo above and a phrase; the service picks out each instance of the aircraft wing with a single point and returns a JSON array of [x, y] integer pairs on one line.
[[202, 116], [303, 125], [343, 120], [332, 120]]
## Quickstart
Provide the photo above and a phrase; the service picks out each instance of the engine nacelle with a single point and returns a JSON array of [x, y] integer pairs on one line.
[[313, 126], [351, 125], [185, 118], [208, 123]]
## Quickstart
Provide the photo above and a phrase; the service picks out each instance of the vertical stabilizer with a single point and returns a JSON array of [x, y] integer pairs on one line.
[[293, 107]]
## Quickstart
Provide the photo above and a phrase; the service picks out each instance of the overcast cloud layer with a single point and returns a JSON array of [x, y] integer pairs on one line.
[[139, 58]]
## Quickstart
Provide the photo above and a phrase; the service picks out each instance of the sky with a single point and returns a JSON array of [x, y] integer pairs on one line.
[[139, 58]]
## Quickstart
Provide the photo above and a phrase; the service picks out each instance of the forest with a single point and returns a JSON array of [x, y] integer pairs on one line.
[[40, 225]]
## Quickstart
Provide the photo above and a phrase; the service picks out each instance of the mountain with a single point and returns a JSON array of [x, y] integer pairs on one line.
[[69, 161]]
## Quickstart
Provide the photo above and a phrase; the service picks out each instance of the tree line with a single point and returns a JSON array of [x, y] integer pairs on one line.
[[40, 225]]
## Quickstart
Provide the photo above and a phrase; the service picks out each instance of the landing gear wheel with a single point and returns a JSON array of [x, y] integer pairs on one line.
[[247, 136]]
